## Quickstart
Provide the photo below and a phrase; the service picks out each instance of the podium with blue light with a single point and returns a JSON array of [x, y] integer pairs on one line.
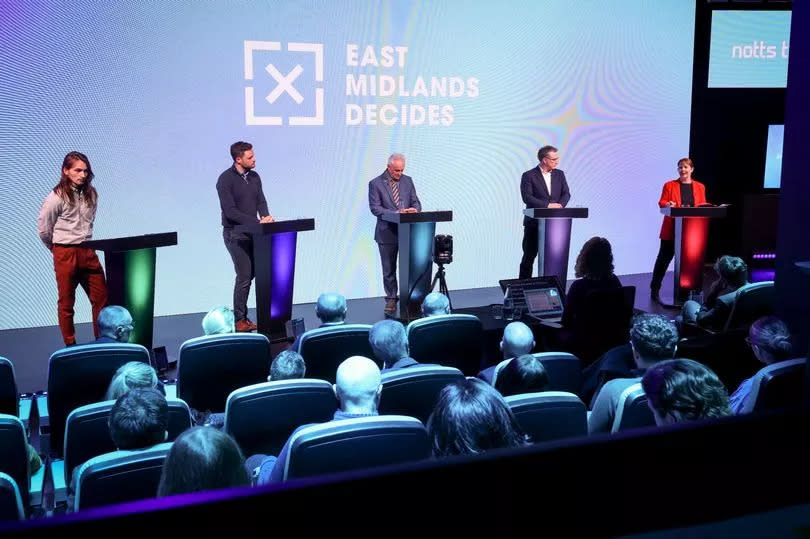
[[130, 264], [554, 239], [691, 237], [416, 232], [274, 268]]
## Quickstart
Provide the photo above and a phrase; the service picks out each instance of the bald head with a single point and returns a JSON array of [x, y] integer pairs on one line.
[[331, 308], [358, 385], [517, 340]]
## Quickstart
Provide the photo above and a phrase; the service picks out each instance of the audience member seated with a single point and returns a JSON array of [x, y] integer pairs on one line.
[[218, 321], [357, 385], [114, 325], [684, 390], [594, 271], [618, 362], [518, 340], [471, 417], [769, 339], [390, 345], [524, 374], [435, 304], [732, 275], [139, 419], [331, 311], [202, 459], [653, 338], [133, 375], [287, 366]]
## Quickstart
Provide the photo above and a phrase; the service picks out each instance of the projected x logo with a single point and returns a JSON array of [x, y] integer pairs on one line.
[[284, 83]]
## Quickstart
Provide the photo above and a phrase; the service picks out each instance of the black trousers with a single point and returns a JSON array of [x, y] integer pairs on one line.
[[665, 254], [240, 247], [388, 257], [529, 250]]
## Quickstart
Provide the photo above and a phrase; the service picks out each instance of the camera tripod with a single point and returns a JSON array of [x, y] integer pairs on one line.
[[440, 278]]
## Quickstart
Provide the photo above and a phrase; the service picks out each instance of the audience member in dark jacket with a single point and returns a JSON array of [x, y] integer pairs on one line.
[[390, 345]]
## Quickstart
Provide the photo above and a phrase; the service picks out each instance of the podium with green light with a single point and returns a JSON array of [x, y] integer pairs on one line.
[[129, 265]]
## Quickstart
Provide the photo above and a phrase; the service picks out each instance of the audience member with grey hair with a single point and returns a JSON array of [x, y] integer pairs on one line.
[[518, 340], [114, 325], [331, 311], [390, 345], [732, 275], [358, 385], [435, 304], [287, 365], [132, 375], [219, 320], [653, 339]]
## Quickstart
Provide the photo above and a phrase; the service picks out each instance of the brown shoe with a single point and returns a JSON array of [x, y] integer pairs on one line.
[[245, 326], [390, 306]]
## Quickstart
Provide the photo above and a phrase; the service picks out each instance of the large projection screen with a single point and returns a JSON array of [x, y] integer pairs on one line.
[[154, 93]]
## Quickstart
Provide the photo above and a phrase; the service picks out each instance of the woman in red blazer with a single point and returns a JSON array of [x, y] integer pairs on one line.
[[681, 192]]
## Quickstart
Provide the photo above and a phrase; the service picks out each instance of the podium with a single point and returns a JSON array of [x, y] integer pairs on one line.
[[130, 267], [274, 268], [691, 236], [554, 239], [416, 231]]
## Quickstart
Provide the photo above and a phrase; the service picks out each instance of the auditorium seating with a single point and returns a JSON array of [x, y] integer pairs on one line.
[[632, 410], [261, 417], [351, 444], [778, 385], [80, 375], [323, 349], [549, 415], [414, 391], [120, 476], [452, 340], [753, 301], [14, 461], [210, 367], [564, 371], [603, 322], [10, 401], [87, 435], [11, 507], [726, 353]]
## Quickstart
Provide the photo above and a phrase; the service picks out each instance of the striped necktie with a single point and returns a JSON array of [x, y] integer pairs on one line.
[[395, 191]]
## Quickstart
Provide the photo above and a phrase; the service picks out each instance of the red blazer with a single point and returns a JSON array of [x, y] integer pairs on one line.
[[672, 191]]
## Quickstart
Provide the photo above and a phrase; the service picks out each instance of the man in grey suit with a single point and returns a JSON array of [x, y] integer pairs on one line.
[[544, 186], [391, 192]]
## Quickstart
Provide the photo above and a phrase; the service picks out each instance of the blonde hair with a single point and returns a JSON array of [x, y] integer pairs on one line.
[[132, 375]]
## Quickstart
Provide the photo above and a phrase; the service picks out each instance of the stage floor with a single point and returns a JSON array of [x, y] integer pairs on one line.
[[29, 348]]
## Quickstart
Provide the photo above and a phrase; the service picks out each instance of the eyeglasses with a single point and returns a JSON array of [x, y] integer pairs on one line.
[[555, 159]]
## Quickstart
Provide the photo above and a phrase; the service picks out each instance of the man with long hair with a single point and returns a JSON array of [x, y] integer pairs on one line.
[[241, 198], [65, 221]]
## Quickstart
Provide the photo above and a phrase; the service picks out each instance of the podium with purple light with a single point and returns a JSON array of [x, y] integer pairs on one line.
[[691, 236], [554, 239], [274, 267], [130, 267], [416, 232]]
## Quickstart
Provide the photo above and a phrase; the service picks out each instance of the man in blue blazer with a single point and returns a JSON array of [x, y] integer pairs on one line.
[[541, 187], [391, 192]]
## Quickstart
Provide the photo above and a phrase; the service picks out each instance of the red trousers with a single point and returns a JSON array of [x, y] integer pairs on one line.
[[77, 266]]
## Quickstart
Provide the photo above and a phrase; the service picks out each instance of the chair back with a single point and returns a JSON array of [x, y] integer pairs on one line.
[[323, 349], [120, 476], [9, 398], [414, 391], [87, 432], [779, 385], [753, 301], [604, 320], [632, 410], [452, 340], [80, 375], [261, 417], [726, 353], [210, 367], [549, 415], [11, 506], [352, 444], [14, 454]]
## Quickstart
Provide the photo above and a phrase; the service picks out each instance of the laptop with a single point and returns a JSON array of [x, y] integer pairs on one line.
[[544, 304]]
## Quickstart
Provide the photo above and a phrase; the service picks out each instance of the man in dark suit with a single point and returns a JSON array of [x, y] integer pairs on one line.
[[541, 187], [391, 192]]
